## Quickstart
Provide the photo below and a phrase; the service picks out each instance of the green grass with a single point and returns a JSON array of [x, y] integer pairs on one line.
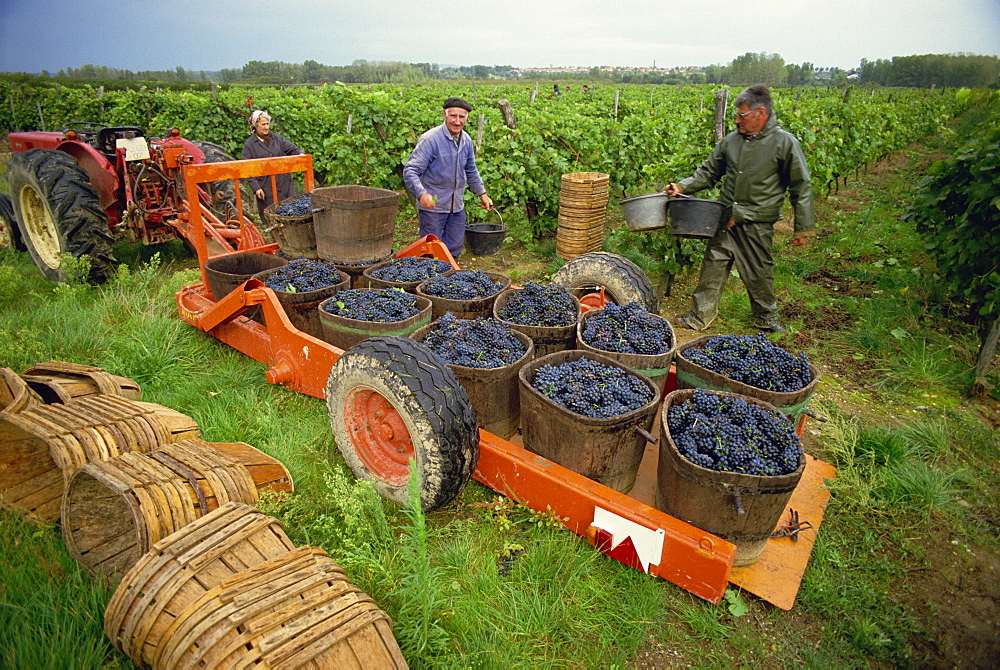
[[486, 582]]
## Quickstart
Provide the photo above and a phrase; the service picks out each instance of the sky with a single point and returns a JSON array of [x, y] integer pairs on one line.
[[50, 35]]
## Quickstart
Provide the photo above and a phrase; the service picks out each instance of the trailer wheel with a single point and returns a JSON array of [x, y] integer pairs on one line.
[[622, 279], [223, 191], [10, 236], [58, 212], [390, 400]]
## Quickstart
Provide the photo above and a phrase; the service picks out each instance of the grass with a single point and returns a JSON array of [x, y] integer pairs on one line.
[[487, 583]]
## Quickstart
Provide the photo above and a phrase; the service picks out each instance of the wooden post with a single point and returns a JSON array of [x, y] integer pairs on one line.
[[987, 352], [41, 121], [721, 100], [350, 120], [534, 94], [507, 111], [215, 91], [847, 91], [380, 130], [616, 104], [479, 132]]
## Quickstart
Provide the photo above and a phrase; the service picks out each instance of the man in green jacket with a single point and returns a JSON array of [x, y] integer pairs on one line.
[[760, 162]]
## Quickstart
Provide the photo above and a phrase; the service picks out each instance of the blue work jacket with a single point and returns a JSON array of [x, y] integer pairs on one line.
[[443, 167]]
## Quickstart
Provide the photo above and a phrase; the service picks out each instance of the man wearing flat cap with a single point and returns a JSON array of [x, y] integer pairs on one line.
[[437, 172]]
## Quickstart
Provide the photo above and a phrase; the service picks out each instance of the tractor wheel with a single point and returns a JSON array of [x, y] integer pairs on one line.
[[622, 279], [222, 191], [58, 212], [10, 236], [390, 400]]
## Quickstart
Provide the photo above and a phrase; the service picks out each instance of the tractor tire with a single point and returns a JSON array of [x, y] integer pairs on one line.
[[58, 212], [222, 191], [10, 236], [622, 279], [390, 400]]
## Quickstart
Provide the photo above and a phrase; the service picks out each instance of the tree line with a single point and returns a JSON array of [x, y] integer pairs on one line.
[[932, 70]]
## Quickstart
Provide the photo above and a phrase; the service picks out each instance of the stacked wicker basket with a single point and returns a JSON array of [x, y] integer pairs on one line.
[[583, 203]]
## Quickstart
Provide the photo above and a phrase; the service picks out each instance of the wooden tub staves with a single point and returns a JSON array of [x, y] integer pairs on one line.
[[15, 394], [62, 382], [41, 447], [113, 511]]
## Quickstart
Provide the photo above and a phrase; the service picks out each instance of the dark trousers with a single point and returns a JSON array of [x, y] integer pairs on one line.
[[449, 227], [748, 246]]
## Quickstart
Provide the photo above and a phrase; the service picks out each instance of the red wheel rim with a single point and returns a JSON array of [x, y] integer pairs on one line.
[[594, 301], [379, 435]]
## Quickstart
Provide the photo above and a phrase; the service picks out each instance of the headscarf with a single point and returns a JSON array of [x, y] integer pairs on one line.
[[256, 116]]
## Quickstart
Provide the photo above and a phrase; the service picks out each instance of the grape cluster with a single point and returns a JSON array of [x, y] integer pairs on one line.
[[303, 274], [462, 285], [410, 269], [540, 305], [753, 360], [474, 343], [728, 434], [377, 305], [592, 389], [628, 329], [301, 206]]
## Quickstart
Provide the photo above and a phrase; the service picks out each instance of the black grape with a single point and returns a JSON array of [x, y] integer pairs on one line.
[[410, 269], [377, 305], [303, 274], [301, 206], [753, 360], [729, 434], [462, 285], [592, 389], [548, 305], [628, 329], [474, 343]]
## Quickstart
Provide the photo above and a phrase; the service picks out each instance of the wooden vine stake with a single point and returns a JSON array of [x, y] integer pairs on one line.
[[616, 104], [507, 111], [721, 100], [479, 132]]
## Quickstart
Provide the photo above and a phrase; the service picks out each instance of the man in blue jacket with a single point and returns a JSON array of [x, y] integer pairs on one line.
[[437, 172]]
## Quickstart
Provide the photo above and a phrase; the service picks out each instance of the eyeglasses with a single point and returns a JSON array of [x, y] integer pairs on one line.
[[743, 115]]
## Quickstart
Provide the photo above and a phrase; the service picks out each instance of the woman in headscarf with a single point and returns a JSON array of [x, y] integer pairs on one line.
[[264, 143]]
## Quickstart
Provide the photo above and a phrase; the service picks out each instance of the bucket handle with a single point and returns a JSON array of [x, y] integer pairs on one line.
[[646, 434], [737, 498]]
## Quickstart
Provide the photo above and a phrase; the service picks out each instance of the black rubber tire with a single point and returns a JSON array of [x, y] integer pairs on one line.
[[622, 279], [428, 398], [10, 236], [224, 189], [59, 212]]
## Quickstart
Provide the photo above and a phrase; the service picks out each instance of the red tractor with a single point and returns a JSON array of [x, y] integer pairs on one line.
[[77, 191]]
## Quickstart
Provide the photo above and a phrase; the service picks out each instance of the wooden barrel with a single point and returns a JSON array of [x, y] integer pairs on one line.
[[302, 309], [494, 392], [40, 448], [743, 509], [180, 568], [344, 333], [463, 309], [607, 450], [15, 393], [547, 339], [654, 366], [353, 223], [294, 234], [58, 381], [296, 610], [114, 511], [691, 375], [226, 273]]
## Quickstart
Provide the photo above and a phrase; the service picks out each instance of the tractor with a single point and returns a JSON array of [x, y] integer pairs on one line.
[[80, 190]]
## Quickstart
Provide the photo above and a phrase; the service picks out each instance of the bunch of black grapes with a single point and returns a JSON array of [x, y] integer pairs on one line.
[[411, 269], [540, 305], [592, 389], [474, 343], [303, 274], [628, 329], [728, 434], [377, 305], [753, 360], [462, 285], [301, 206]]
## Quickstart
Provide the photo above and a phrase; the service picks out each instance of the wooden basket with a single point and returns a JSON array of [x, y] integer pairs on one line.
[[181, 568], [296, 610], [114, 511]]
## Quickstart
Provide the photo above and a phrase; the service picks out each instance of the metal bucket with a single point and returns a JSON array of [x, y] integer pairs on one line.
[[645, 212], [695, 218]]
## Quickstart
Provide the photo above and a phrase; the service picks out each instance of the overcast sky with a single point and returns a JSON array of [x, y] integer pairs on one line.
[[211, 35]]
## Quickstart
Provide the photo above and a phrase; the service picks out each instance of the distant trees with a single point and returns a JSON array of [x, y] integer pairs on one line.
[[933, 70]]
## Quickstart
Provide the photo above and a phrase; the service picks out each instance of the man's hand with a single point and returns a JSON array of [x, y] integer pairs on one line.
[[673, 190], [428, 201], [732, 222], [800, 241], [486, 202], [259, 193]]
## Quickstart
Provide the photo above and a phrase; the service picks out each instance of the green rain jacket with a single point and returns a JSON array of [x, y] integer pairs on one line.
[[758, 171]]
